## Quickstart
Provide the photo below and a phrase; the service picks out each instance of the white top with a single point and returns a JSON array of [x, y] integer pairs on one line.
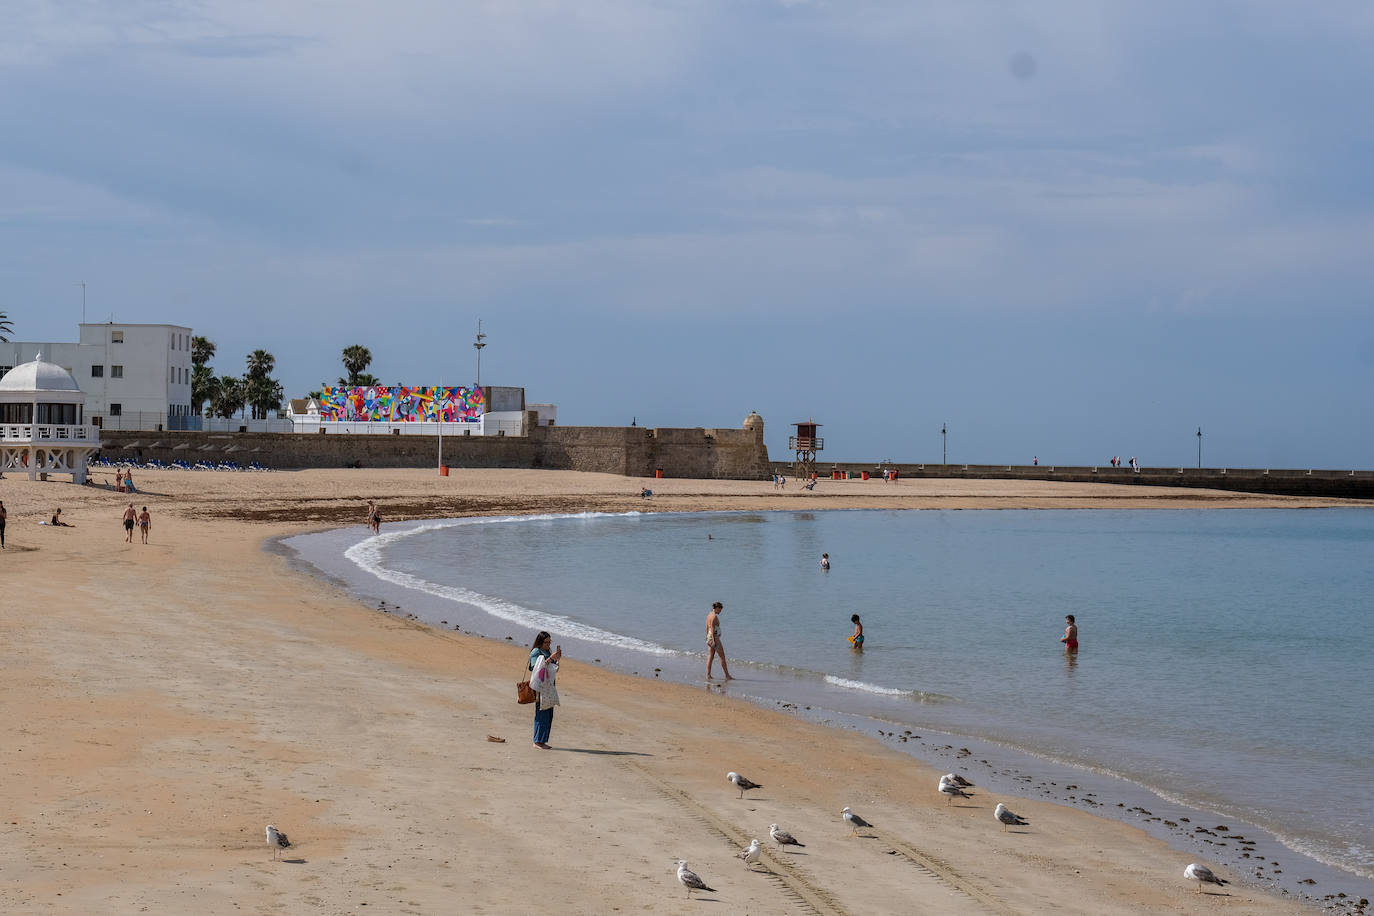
[[39, 376]]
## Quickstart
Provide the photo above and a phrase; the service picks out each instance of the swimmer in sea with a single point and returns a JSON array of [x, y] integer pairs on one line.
[[1070, 638], [825, 561], [857, 639]]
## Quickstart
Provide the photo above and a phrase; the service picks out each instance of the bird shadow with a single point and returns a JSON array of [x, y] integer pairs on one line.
[[601, 752], [753, 798], [294, 861]]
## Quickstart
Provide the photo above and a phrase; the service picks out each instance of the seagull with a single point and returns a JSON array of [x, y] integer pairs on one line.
[[951, 790], [277, 840], [750, 855], [1202, 875], [782, 837], [690, 879], [742, 783], [854, 820], [1004, 814], [958, 780]]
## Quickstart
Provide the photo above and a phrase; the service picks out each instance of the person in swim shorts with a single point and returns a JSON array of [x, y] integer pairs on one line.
[[130, 516], [714, 646], [1070, 638], [858, 638]]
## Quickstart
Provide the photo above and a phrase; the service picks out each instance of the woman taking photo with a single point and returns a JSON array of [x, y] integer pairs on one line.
[[543, 673]]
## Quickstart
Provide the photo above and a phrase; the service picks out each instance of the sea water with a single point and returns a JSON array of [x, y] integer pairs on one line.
[[1226, 659]]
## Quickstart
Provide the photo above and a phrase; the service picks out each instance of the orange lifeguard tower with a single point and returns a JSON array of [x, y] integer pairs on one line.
[[806, 444]]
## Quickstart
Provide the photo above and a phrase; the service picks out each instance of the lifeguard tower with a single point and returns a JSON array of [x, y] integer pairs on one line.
[[806, 444], [42, 427]]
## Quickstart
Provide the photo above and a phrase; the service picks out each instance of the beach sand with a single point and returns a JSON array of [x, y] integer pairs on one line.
[[165, 702]]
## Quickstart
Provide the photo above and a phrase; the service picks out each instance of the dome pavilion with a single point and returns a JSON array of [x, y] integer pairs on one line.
[[42, 423]]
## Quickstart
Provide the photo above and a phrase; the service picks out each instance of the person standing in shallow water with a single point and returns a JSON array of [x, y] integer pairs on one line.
[[857, 638], [1070, 638], [714, 646]]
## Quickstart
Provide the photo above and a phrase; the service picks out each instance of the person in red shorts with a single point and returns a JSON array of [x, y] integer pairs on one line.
[[1070, 639]]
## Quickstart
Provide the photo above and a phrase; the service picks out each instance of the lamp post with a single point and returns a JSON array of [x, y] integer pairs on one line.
[[944, 443], [1199, 448], [478, 345]]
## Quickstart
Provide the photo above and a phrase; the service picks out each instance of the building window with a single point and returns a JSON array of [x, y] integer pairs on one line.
[[116, 409], [116, 372], [116, 337], [4, 369], [97, 372]]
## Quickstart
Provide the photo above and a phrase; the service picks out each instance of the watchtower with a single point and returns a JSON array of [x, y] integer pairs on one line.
[[806, 444]]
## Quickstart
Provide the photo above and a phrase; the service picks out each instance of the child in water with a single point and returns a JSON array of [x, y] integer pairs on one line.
[[857, 639]]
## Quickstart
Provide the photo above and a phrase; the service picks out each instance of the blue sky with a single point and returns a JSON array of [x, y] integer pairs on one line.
[[1068, 230]]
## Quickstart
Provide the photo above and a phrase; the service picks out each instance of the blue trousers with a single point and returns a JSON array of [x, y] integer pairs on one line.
[[543, 723]]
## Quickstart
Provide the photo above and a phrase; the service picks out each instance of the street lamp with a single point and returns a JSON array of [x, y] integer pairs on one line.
[[944, 444], [1199, 448], [478, 345]]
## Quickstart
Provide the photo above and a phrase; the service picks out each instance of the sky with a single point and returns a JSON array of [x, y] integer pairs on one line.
[[1064, 231]]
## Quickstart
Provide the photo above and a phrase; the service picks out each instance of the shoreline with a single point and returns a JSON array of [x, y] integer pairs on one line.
[[1011, 769], [181, 695]]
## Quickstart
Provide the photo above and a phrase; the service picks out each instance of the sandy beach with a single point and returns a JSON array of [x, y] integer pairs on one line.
[[165, 702]]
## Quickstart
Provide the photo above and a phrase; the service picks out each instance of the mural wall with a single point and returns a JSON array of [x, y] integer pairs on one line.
[[402, 405]]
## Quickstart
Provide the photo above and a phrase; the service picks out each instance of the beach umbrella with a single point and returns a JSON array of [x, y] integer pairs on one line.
[[134, 444], [207, 447], [158, 444], [233, 448], [181, 447]]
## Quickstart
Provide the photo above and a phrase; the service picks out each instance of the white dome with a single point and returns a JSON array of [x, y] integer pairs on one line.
[[39, 376]]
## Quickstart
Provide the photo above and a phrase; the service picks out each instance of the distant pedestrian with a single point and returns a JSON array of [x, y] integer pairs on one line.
[[1070, 638], [374, 517], [1134, 466], [714, 646], [145, 524], [130, 517], [856, 639], [1035, 461], [3, 515]]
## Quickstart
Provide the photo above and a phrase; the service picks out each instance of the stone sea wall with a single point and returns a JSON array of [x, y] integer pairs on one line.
[[734, 454]]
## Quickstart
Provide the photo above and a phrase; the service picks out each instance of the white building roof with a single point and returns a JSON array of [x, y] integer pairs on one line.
[[38, 376]]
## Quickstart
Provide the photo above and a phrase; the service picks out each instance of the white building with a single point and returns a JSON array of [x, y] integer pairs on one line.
[[134, 376], [42, 427]]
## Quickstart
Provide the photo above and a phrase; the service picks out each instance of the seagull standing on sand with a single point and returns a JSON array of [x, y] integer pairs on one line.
[[277, 840], [751, 855], [1202, 875], [854, 820], [1004, 814], [951, 790], [782, 837], [690, 879], [742, 783], [958, 780]]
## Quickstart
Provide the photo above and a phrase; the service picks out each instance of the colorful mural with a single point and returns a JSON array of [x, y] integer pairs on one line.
[[402, 405]]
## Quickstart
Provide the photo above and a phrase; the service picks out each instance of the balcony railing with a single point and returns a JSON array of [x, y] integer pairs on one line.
[[47, 433], [806, 443]]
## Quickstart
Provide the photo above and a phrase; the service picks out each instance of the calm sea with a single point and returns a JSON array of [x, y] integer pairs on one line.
[[1227, 662]]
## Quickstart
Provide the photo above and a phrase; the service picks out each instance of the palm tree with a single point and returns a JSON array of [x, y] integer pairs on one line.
[[202, 351], [361, 380], [260, 364], [228, 397], [262, 394], [204, 386], [355, 359], [7, 329]]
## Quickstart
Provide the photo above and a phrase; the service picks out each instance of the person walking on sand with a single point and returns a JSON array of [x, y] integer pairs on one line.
[[3, 516], [130, 516], [145, 524], [1070, 638], [374, 518], [543, 670], [857, 638], [714, 646]]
